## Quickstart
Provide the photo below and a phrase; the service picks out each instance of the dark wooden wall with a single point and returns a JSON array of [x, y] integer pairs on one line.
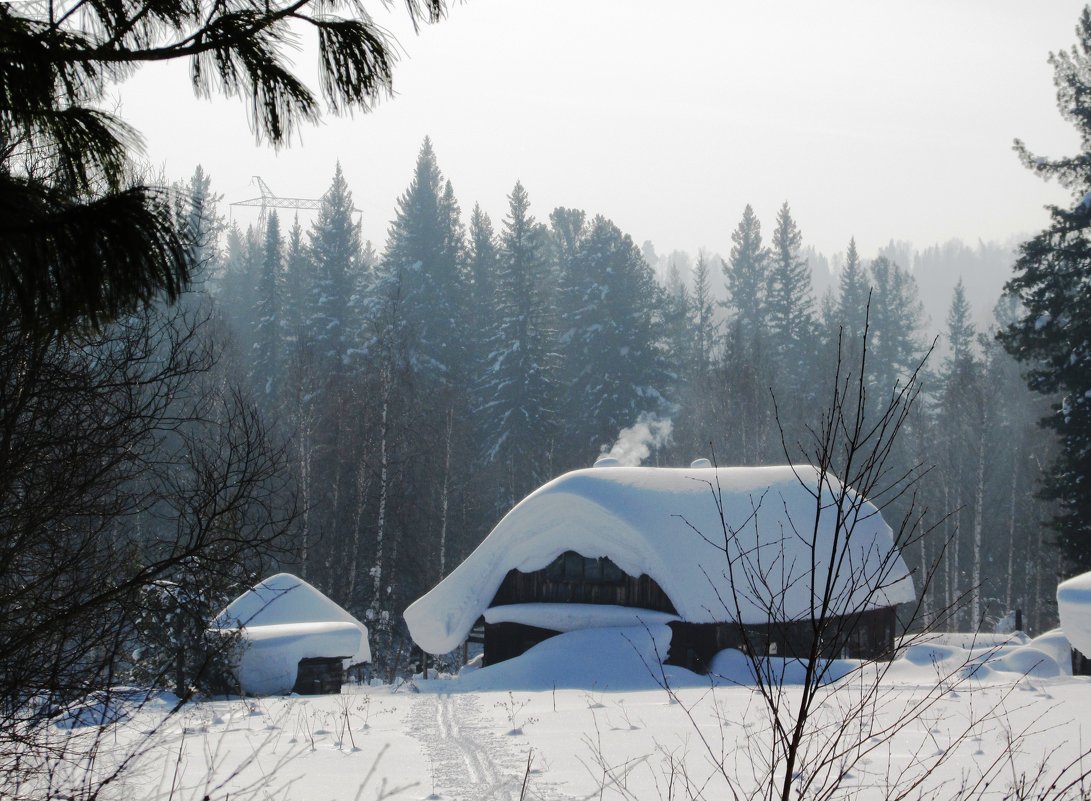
[[572, 578], [575, 579], [319, 676], [509, 640], [868, 635]]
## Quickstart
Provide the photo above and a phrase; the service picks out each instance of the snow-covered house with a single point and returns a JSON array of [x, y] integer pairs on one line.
[[292, 638], [623, 546]]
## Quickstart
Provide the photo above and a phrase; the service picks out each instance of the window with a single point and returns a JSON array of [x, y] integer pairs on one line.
[[570, 566]]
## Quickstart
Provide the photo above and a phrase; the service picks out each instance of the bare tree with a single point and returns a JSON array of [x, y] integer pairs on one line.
[[128, 463], [814, 718]]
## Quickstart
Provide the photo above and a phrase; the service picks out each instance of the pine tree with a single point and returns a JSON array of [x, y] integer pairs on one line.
[[746, 274], [518, 393], [678, 326], [335, 255], [792, 327], [895, 327], [611, 347], [854, 292], [960, 327], [423, 265], [268, 332], [705, 333], [239, 275], [298, 275], [82, 239], [1053, 280], [483, 266], [789, 300], [202, 223]]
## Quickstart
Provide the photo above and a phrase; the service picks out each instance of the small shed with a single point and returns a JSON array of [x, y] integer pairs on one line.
[[1074, 609], [293, 638], [616, 546]]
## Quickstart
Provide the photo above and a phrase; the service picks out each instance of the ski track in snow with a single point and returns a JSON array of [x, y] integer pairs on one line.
[[470, 760]]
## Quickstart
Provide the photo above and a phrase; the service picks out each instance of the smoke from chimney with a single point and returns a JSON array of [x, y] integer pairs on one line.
[[634, 444]]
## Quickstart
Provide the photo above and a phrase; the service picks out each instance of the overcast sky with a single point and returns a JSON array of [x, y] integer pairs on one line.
[[877, 120]]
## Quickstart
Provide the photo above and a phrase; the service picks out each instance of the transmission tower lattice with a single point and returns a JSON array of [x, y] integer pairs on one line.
[[268, 200]]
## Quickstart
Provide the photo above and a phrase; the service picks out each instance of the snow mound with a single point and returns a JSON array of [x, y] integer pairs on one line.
[[1074, 606], [283, 619], [733, 667], [1027, 661], [665, 523], [1056, 645], [973, 640], [623, 658], [923, 662]]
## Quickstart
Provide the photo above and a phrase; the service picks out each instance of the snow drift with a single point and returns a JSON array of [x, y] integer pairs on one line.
[[664, 522]]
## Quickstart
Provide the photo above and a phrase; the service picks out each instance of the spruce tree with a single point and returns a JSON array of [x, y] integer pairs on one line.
[[82, 239], [746, 275], [960, 326], [268, 333], [335, 255], [483, 266], [298, 274], [611, 346], [853, 295], [423, 266], [792, 327], [518, 389], [1053, 281], [894, 339], [789, 300], [705, 328], [678, 312]]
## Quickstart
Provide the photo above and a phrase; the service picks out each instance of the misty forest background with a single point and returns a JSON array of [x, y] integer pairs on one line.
[[422, 389]]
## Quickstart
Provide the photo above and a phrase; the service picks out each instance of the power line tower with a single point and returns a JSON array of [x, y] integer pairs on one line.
[[268, 200]]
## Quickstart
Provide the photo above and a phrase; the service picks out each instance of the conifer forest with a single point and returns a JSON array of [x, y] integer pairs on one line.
[[422, 386]]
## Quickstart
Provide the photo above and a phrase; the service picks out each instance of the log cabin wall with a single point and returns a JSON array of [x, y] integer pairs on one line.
[[509, 640], [572, 578], [868, 635], [576, 579]]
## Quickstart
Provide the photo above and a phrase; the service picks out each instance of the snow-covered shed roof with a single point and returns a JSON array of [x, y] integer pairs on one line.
[[284, 619], [1074, 608], [660, 521]]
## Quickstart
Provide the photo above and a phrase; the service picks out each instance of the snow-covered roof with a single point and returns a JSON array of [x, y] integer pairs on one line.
[[284, 619], [655, 521], [1074, 607]]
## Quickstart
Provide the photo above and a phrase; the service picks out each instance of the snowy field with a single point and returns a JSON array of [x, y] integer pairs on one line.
[[591, 720]]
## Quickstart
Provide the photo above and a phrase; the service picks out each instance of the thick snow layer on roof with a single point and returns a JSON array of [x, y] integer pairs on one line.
[[569, 617], [269, 662], [284, 619], [1074, 606], [665, 522]]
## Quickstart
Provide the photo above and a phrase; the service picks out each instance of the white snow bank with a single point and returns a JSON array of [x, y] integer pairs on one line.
[[568, 617], [655, 521], [1074, 605], [733, 667], [971, 640], [625, 658], [629, 659], [283, 619], [930, 659]]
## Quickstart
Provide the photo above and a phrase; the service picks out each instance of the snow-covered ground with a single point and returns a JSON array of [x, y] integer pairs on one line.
[[588, 713]]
